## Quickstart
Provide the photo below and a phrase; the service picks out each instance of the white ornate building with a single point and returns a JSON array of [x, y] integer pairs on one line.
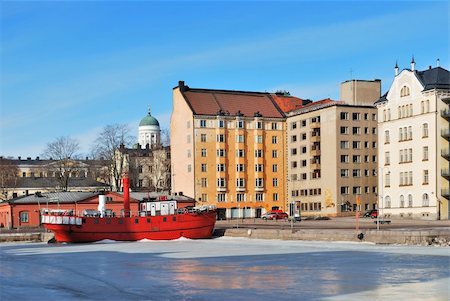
[[149, 131], [413, 139]]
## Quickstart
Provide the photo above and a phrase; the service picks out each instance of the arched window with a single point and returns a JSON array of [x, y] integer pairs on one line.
[[387, 202], [404, 91], [425, 130], [422, 107], [410, 200], [427, 106], [425, 200], [386, 137], [402, 201]]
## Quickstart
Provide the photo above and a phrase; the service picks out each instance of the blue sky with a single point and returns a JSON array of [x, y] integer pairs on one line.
[[69, 68]]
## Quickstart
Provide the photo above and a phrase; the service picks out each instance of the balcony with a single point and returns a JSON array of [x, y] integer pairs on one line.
[[315, 165], [315, 152], [315, 125], [445, 153], [221, 189], [315, 138], [259, 189], [445, 113], [445, 133], [445, 172], [445, 192], [240, 189]]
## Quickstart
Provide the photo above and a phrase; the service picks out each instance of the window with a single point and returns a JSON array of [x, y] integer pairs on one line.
[[344, 158], [356, 190], [303, 136], [274, 139], [259, 168], [259, 197], [203, 137], [258, 153], [203, 152], [275, 167], [356, 159], [240, 153], [274, 126], [259, 125], [140, 183], [402, 201], [189, 154], [410, 200], [293, 151], [203, 167], [344, 173], [204, 182], [275, 182], [140, 168], [387, 179], [240, 167], [221, 167], [294, 164], [356, 130], [425, 130], [356, 173], [24, 216], [344, 145], [259, 182], [221, 182], [221, 123], [425, 200], [189, 167], [240, 197], [204, 197], [293, 125], [274, 153], [344, 116], [220, 138], [356, 116], [344, 130], [188, 138], [404, 91], [425, 177], [202, 123], [303, 123], [240, 124], [387, 158], [275, 196], [220, 152], [221, 197], [387, 202], [258, 139], [344, 189], [240, 182], [240, 138], [425, 153], [386, 137], [294, 138], [356, 144], [304, 150]]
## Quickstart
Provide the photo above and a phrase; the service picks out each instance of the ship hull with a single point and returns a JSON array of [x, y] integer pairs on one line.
[[189, 225]]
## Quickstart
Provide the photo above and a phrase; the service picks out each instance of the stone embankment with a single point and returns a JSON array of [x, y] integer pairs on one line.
[[439, 237]]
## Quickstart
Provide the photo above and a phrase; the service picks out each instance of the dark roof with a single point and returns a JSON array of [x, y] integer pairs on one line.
[[229, 102], [53, 197], [434, 78], [381, 99], [32, 182]]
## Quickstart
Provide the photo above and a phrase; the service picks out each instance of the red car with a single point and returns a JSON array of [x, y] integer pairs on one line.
[[273, 215]]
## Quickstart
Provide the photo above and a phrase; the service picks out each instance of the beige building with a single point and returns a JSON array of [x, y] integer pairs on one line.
[[360, 92], [414, 145], [332, 158], [228, 149]]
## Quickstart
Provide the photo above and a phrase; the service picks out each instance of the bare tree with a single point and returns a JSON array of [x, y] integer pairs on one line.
[[9, 174], [165, 137], [64, 150], [106, 146], [160, 169]]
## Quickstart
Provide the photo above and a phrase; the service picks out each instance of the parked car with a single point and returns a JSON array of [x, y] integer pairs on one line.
[[273, 215], [370, 212]]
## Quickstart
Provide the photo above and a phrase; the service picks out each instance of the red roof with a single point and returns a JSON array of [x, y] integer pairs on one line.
[[287, 103], [210, 102], [320, 102]]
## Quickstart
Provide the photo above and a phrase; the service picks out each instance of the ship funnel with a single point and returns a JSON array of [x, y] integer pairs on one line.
[[101, 204], [126, 195]]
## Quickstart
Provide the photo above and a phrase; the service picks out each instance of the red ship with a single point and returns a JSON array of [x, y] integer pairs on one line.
[[160, 220]]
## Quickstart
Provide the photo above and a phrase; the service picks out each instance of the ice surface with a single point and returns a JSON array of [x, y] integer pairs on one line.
[[223, 269]]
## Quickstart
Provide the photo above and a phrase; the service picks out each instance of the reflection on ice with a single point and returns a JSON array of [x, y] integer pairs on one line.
[[222, 269]]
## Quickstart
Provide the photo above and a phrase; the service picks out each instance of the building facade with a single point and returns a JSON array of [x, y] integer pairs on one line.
[[332, 158], [414, 144], [228, 149]]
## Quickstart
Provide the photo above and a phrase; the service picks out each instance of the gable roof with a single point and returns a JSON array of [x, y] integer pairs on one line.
[[288, 103], [53, 197], [229, 102], [31, 182]]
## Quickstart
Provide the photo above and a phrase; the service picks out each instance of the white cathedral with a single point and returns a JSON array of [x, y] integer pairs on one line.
[[149, 132]]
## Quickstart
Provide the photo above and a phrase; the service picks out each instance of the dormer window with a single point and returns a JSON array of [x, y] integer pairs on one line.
[[404, 91]]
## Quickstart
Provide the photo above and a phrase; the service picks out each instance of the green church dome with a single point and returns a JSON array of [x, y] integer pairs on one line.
[[149, 120]]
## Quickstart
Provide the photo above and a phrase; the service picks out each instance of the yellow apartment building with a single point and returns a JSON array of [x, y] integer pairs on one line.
[[228, 149]]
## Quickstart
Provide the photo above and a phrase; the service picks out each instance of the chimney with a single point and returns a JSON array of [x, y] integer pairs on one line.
[[182, 86], [438, 63], [19, 158], [126, 195], [396, 68], [37, 158], [87, 158], [413, 64]]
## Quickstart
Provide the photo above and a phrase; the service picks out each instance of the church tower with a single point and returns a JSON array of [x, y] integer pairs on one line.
[[149, 131]]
